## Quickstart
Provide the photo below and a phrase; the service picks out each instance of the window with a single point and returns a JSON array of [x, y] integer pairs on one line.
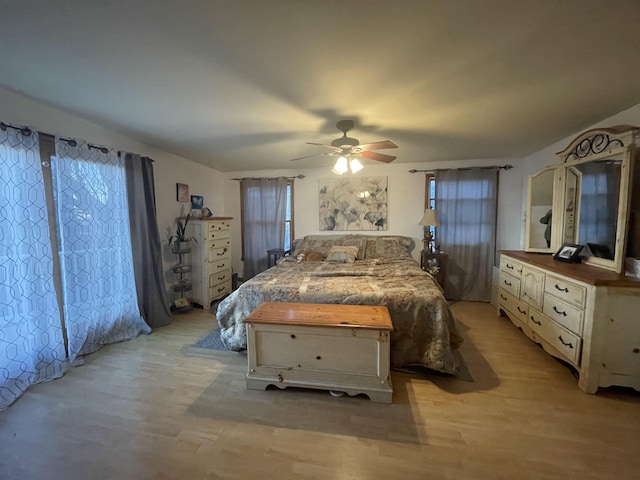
[[267, 220], [288, 219]]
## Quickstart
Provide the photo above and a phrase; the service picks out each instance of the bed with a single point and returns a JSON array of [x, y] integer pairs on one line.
[[356, 270]]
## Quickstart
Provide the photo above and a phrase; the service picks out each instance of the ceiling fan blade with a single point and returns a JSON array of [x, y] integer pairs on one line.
[[330, 147], [380, 157], [382, 145], [314, 155]]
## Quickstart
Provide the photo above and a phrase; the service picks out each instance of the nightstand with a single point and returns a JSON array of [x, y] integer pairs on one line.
[[274, 254], [436, 264]]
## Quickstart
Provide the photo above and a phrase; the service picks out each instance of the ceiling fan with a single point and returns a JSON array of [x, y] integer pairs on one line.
[[348, 150]]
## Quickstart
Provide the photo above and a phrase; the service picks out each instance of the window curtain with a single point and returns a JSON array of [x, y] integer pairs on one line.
[[145, 241], [31, 340], [264, 209], [466, 201], [99, 294]]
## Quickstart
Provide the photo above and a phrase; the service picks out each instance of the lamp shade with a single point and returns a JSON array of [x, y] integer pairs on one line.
[[429, 218], [341, 166]]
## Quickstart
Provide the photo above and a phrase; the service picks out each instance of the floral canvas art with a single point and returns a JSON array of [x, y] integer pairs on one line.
[[356, 203]]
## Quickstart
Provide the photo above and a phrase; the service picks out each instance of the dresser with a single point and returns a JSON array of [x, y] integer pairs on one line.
[[210, 259], [586, 316]]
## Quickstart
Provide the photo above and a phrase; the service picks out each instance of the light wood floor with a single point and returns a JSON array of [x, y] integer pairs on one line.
[[153, 408]]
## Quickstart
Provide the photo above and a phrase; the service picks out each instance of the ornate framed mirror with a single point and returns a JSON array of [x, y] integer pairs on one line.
[[596, 179]]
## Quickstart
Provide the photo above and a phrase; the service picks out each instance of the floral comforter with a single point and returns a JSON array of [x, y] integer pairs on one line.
[[424, 328]]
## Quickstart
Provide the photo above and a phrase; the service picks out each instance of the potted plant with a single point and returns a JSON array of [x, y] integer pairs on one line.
[[180, 238]]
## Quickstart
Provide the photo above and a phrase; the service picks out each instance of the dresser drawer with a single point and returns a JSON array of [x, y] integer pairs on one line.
[[218, 254], [218, 265], [564, 341], [510, 283], [510, 266], [217, 234], [217, 225], [220, 290], [218, 243], [517, 309], [219, 277], [566, 291], [563, 313]]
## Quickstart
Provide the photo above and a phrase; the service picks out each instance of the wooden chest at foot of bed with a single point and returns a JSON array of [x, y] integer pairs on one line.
[[341, 348]]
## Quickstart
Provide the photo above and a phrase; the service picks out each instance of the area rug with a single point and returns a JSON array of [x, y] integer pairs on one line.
[[212, 341]]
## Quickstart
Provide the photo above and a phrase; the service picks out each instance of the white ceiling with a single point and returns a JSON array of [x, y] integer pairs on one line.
[[243, 84]]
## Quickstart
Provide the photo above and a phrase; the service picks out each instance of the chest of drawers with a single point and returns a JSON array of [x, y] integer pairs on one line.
[[583, 315], [211, 259]]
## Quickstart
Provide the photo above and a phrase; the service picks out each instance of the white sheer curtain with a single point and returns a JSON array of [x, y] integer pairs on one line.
[[466, 201], [100, 303], [264, 203], [31, 340]]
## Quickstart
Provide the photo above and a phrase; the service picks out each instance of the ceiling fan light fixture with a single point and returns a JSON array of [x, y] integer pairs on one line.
[[341, 166], [355, 165]]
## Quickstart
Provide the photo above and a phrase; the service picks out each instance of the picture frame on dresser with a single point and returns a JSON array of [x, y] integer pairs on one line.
[[568, 252]]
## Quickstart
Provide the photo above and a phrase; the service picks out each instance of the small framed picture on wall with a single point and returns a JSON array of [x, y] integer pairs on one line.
[[197, 202], [182, 192]]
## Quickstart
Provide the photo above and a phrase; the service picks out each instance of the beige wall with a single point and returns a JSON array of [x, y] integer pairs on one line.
[[405, 205]]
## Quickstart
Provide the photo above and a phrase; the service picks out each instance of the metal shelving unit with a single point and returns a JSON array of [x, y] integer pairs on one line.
[[182, 271]]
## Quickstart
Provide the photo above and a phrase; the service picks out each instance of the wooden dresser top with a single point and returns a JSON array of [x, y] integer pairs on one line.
[[585, 273]]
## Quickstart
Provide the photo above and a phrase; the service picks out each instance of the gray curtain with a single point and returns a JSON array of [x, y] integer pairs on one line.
[[466, 201], [145, 241], [264, 208]]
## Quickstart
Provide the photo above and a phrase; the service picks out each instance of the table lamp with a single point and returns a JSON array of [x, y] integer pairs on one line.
[[428, 220]]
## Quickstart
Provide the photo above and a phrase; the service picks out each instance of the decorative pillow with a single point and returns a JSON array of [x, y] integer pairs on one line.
[[342, 254], [313, 257], [361, 243]]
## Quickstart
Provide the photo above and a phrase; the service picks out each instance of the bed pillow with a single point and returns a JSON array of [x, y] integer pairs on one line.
[[312, 245], [361, 243], [342, 254], [388, 246]]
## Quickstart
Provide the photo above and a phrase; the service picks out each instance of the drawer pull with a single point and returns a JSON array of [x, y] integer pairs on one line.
[[564, 314], [535, 321], [507, 283], [510, 267], [566, 344], [503, 297], [565, 289], [522, 311], [221, 289]]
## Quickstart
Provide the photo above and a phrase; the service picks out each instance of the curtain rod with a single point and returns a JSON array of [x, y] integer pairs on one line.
[[269, 178], [26, 131], [508, 166]]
